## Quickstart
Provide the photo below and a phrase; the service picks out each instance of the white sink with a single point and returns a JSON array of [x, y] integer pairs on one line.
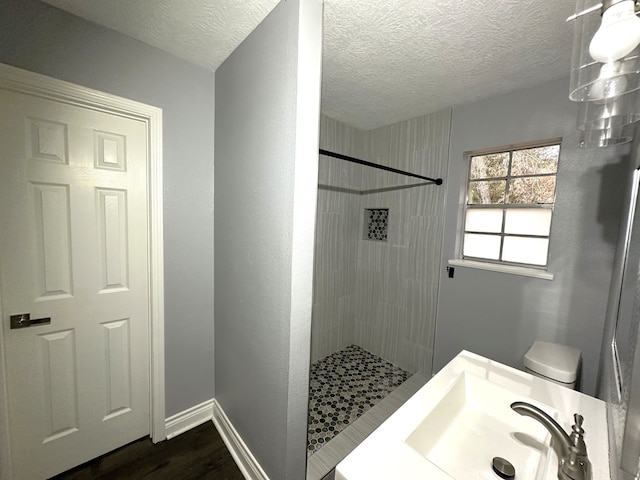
[[455, 425], [473, 423]]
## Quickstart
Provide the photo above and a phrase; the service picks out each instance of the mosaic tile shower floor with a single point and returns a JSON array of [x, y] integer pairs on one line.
[[344, 385]]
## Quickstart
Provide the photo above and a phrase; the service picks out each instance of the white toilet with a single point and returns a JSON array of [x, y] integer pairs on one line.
[[554, 362]]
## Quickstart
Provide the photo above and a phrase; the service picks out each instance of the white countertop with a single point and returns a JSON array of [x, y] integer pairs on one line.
[[385, 454]]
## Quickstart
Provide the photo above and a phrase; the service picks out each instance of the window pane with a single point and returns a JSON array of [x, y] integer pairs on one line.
[[532, 190], [483, 220], [489, 166], [486, 193], [525, 250], [528, 221], [534, 161], [481, 246]]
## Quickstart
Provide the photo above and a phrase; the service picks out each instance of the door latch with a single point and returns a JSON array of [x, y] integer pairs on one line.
[[23, 320]]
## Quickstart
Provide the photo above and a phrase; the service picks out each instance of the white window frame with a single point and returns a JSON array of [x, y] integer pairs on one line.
[[539, 271]]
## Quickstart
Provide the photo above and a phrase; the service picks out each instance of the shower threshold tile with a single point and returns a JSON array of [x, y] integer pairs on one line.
[[321, 465]]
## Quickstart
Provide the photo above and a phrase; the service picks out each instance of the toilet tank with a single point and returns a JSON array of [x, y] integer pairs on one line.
[[554, 362]]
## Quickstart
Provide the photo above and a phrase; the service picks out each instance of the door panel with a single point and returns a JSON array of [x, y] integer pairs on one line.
[[73, 247]]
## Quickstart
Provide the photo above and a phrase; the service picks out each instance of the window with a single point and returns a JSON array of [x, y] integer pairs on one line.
[[510, 199]]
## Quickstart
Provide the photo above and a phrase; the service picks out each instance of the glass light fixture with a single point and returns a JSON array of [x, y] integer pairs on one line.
[[605, 71], [610, 82], [606, 137], [615, 41], [610, 113]]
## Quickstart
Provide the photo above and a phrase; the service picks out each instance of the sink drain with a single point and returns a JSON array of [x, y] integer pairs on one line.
[[503, 468]]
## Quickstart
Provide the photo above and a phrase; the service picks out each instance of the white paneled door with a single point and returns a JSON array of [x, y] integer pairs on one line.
[[73, 248]]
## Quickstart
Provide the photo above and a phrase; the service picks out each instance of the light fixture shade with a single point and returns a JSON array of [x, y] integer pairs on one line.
[[611, 113], [592, 80], [607, 137]]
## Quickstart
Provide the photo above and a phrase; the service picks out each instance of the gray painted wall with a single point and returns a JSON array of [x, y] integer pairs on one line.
[[500, 315], [37, 37], [266, 172]]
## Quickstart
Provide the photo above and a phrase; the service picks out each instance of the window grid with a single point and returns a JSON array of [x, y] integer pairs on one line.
[[505, 205], [508, 177]]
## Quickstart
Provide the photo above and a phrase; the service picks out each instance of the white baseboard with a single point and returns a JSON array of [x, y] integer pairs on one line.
[[245, 460], [190, 418]]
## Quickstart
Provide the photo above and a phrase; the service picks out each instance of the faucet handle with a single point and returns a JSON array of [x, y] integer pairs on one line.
[[578, 419], [577, 434]]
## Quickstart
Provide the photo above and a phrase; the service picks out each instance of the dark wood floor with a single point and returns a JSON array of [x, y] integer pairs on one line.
[[197, 454]]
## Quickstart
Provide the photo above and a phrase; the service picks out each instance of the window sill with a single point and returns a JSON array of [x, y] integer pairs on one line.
[[510, 269]]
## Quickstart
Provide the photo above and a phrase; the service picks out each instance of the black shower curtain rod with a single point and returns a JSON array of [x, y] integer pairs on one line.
[[437, 181]]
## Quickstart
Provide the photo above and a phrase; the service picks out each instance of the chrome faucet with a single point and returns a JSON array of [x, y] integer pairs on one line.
[[573, 462]]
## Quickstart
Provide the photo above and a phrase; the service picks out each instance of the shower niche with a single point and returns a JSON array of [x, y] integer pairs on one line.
[[376, 271], [376, 224]]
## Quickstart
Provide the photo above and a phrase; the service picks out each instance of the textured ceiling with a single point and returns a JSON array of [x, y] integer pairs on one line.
[[204, 32], [384, 60]]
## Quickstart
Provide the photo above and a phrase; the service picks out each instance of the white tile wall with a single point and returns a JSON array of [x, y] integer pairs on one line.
[[337, 233], [380, 295]]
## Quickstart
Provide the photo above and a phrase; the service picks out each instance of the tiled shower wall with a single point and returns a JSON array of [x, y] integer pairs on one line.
[[380, 295], [337, 227], [397, 280]]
